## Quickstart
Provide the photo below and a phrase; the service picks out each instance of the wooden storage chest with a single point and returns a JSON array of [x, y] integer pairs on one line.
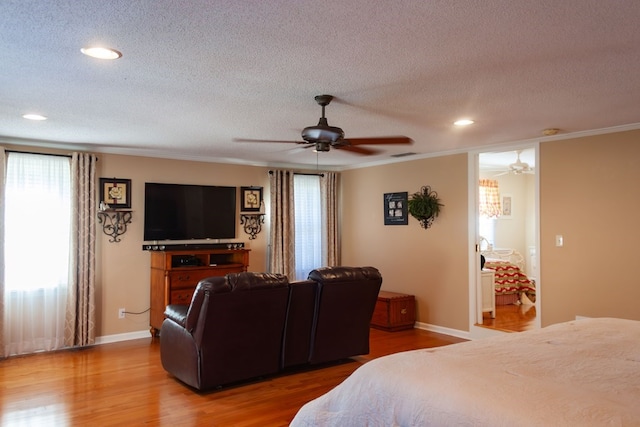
[[394, 311]]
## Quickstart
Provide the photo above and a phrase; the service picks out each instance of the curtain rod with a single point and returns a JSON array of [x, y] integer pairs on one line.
[[41, 154], [303, 173]]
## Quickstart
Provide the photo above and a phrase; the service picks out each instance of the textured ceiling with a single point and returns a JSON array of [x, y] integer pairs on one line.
[[195, 75]]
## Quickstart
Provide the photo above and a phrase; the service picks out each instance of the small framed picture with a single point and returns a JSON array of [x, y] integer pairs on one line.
[[507, 206], [115, 192], [250, 199], [395, 208]]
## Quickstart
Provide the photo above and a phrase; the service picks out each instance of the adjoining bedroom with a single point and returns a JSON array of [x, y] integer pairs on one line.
[[507, 236]]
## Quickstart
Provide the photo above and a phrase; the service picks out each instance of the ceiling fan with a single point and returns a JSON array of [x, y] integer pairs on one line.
[[518, 167], [323, 137]]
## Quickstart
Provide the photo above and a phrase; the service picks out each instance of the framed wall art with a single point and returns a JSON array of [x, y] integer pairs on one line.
[[395, 208], [507, 206], [115, 192], [250, 199]]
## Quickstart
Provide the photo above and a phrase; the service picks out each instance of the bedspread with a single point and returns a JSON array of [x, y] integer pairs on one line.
[[509, 278], [578, 373]]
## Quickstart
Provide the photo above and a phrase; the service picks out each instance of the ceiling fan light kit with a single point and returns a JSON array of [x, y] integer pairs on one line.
[[519, 166], [322, 147]]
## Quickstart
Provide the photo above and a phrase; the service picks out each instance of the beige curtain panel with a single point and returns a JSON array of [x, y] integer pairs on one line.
[[80, 325]]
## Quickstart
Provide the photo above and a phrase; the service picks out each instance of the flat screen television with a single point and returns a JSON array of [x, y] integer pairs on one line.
[[188, 212]]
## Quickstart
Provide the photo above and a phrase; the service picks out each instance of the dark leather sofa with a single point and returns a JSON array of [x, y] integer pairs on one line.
[[249, 325]]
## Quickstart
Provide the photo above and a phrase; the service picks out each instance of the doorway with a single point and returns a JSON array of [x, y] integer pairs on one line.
[[507, 235]]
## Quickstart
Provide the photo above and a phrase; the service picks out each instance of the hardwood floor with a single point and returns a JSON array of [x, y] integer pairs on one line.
[[511, 318], [124, 384]]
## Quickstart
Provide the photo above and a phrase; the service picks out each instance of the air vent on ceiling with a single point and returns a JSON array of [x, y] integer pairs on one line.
[[410, 153]]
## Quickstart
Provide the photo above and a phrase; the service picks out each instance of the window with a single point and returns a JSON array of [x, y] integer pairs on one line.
[[308, 224], [37, 214], [487, 229], [489, 200]]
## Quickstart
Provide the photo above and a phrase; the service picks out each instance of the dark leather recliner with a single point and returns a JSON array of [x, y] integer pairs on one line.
[[297, 342], [248, 325], [345, 301], [231, 331]]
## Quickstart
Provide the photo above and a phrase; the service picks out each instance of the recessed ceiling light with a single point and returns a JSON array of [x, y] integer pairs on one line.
[[34, 117], [101, 52], [463, 122]]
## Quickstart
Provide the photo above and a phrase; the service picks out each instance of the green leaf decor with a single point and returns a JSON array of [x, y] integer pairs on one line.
[[424, 206]]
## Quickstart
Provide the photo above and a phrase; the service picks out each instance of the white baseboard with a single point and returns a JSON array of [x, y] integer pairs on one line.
[[442, 330], [106, 339]]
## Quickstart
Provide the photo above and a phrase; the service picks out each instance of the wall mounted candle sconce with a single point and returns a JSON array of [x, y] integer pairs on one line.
[[252, 223], [114, 223]]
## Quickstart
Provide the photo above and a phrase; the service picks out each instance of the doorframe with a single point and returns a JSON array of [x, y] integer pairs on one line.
[[473, 163]]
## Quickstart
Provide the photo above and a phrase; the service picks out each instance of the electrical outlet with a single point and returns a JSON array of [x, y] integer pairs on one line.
[[121, 313]]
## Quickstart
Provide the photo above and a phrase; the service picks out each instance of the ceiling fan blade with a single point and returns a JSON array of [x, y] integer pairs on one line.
[[379, 140], [268, 140], [358, 150], [503, 173]]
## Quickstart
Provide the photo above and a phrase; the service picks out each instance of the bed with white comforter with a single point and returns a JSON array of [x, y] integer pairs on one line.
[[578, 373]]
